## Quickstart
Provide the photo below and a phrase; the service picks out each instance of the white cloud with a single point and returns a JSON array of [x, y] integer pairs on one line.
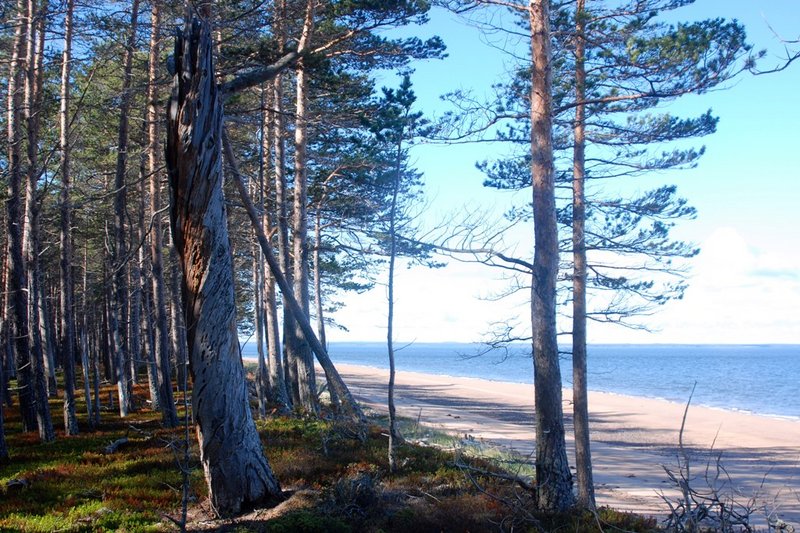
[[737, 294]]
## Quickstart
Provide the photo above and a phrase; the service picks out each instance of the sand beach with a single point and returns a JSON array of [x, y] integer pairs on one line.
[[632, 437]]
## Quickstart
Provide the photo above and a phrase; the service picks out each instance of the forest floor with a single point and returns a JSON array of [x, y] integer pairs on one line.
[[331, 482]]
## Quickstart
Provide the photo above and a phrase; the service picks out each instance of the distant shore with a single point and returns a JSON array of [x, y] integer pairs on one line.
[[631, 436]]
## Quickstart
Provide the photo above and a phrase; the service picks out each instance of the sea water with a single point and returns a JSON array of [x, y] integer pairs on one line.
[[762, 379]]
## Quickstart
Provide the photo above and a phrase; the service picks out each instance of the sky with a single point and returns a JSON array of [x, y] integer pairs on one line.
[[744, 286]]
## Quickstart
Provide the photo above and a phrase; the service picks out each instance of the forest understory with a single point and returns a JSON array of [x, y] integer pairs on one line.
[[127, 475]]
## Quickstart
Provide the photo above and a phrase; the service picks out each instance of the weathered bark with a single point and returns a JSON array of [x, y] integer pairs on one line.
[[236, 470], [17, 284], [120, 304], [178, 342], [553, 478], [580, 401], [348, 405], [169, 415]]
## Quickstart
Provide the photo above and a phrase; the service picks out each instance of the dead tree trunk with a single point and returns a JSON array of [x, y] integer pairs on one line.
[[553, 478], [236, 470]]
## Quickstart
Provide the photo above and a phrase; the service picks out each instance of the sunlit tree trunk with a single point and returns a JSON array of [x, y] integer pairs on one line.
[[236, 470], [275, 371], [553, 477], [305, 363], [68, 337], [580, 400], [281, 207]]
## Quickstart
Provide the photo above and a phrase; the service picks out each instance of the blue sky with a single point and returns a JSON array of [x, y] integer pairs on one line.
[[745, 284]]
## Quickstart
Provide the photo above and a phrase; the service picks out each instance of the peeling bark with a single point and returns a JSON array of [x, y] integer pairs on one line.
[[236, 470]]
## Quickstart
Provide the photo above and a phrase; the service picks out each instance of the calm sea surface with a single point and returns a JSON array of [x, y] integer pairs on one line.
[[762, 379]]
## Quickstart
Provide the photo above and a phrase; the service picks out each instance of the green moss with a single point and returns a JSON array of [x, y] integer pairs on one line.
[[307, 522]]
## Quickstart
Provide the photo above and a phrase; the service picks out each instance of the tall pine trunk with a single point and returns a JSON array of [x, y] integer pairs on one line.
[[120, 302], [284, 251], [274, 363], [169, 415], [30, 237], [236, 470], [305, 363], [17, 283], [580, 400], [553, 477]]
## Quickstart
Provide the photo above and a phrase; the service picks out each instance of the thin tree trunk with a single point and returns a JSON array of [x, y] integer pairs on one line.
[[3, 448], [580, 401], [145, 320], [275, 373], [137, 280], [17, 283], [553, 477], [85, 357], [262, 381], [169, 415], [318, 277], [178, 340], [348, 404], [393, 433], [236, 470], [263, 390], [318, 295], [30, 237], [149, 330], [281, 207], [48, 340], [120, 303]]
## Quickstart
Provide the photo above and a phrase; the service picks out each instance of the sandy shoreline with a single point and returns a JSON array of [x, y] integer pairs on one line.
[[631, 436]]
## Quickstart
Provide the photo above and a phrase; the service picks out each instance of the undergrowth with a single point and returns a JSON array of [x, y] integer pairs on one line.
[[73, 485]]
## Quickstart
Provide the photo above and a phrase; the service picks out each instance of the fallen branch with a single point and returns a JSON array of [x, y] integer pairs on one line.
[[114, 446]]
